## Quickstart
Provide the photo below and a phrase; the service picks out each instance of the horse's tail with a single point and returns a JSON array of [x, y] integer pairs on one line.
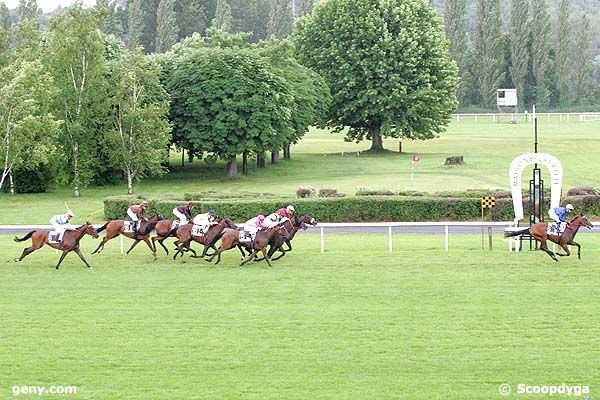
[[103, 227], [517, 233], [24, 238]]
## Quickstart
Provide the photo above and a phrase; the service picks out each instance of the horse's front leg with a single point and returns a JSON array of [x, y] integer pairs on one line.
[[78, 251], [289, 245], [152, 248], [135, 243], [62, 257], [573, 243]]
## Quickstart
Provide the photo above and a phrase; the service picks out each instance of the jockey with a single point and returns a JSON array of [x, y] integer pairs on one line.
[[61, 223], [184, 212], [287, 212], [206, 220], [137, 212], [252, 226], [558, 214], [273, 219]]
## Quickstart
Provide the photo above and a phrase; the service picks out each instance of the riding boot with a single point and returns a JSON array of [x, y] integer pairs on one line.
[[252, 245]]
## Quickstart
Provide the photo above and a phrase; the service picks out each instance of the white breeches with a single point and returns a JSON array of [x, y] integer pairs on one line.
[[181, 216], [132, 215]]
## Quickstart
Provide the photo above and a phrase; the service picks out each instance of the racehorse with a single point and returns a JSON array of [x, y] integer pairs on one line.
[[70, 242], [163, 230], [539, 232], [115, 228], [231, 239], [214, 233], [292, 226]]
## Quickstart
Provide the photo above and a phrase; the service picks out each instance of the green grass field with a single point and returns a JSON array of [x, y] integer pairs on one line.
[[347, 324], [488, 149]]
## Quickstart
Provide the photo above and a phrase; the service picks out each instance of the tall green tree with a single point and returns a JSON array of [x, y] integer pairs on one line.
[[5, 25], [305, 7], [27, 9], [166, 26], [583, 64], [455, 24], [75, 58], [488, 51], [141, 131], [223, 19], [27, 128], [280, 19], [540, 47], [386, 63], [135, 23], [191, 17], [564, 52], [520, 36], [228, 102]]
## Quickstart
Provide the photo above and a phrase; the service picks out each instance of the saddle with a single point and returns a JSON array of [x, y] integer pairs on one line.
[[197, 230], [245, 236], [175, 224], [129, 226], [556, 228], [53, 237]]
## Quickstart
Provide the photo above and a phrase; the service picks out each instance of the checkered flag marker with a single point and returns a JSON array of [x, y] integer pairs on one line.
[[488, 202]]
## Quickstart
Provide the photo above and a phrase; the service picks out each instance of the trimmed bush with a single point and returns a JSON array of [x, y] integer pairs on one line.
[[31, 180], [305, 192]]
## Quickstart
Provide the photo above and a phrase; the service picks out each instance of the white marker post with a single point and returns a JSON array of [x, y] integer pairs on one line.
[[415, 159]]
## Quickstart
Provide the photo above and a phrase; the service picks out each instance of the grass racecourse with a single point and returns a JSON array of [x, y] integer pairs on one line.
[[347, 324], [488, 149]]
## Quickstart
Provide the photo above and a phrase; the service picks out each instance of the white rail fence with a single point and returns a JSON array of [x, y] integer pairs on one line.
[[549, 117], [380, 228]]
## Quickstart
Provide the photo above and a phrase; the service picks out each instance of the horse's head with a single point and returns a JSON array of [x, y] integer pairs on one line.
[[307, 219], [157, 217], [90, 230], [584, 221], [227, 223]]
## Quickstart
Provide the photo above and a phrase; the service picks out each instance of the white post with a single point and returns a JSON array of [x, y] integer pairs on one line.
[[494, 118], [457, 117], [568, 117], [390, 238], [322, 240], [548, 117], [475, 117], [560, 117], [446, 239], [121, 236]]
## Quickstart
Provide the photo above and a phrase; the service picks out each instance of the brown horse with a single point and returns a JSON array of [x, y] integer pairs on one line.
[[214, 233], [231, 239], [292, 226], [115, 228], [163, 230], [70, 242], [538, 231]]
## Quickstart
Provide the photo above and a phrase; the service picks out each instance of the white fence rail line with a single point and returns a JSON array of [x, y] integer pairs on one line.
[[576, 116], [389, 225]]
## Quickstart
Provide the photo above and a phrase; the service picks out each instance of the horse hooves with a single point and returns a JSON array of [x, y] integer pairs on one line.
[[17, 260], [90, 267]]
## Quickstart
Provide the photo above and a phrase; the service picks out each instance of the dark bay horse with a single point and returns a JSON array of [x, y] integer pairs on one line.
[[231, 239], [70, 242], [292, 227], [539, 232], [115, 228], [209, 239], [163, 230]]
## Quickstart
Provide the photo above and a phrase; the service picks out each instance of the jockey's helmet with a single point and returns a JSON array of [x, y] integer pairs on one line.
[[70, 214], [570, 207], [212, 212], [290, 209], [144, 203], [190, 203], [260, 218]]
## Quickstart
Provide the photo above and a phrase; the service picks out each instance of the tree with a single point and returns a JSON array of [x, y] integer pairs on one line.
[[223, 19], [386, 64], [166, 26], [135, 23], [519, 45], [280, 20], [564, 60], [455, 24], [5, 25], [488, 50], [27, 9], [27, 128], [76, 58], [228, 102], [191, 17], [540, 47], [306, 7], [583, 64], [139, 105]]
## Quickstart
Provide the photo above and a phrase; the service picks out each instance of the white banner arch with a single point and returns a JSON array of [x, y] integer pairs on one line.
[[515, 174]]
